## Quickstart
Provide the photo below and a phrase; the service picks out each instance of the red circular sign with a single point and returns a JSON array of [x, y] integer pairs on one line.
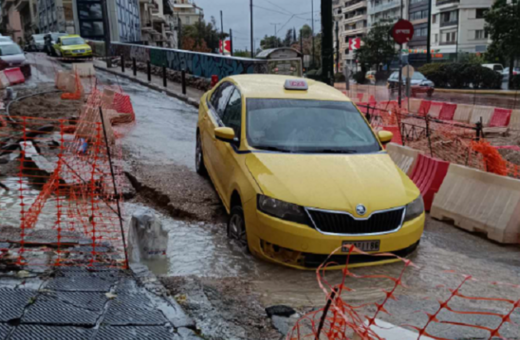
[[402, 31]]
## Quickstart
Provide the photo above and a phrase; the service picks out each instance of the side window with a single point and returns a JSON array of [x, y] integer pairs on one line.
[[220, 98], [233, 114]]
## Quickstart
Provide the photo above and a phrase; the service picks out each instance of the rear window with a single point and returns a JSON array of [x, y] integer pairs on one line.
[[308, 126]]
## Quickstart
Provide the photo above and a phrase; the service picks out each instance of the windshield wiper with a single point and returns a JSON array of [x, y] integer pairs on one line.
[[335, 151]]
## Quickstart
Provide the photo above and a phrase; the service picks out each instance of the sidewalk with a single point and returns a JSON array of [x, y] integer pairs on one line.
[[172, 89]]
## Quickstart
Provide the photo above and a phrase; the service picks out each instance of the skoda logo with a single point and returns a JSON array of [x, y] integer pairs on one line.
[[361, 210]]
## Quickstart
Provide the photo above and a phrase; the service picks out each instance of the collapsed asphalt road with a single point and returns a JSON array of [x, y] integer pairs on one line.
[[226, 289]]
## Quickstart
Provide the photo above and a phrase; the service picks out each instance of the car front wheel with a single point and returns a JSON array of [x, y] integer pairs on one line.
[[237, 226], [199, 158]]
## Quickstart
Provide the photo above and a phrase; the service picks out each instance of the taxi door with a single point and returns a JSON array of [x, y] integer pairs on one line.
[[211, 121], [228, 152]]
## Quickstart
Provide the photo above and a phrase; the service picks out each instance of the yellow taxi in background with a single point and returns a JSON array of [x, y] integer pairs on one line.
[[72, 46], [301, 173]]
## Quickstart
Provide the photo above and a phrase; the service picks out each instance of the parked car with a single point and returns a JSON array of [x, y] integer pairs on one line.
[[12, 56], [38, 41], [516, 71], [371, 76], [301, 173], [72, 46], [419, 83], [495, 67]]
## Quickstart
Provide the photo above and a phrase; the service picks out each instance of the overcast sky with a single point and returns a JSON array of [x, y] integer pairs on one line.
[[286, 13]]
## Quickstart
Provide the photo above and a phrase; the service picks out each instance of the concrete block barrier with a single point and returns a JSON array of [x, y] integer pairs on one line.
[[413, 105], [500, 117], [447, 111], [61, 80], [14, 75], [463, 113], [482, 111], [514, 122], [479, 201], [424, 108], [428, 175], [435, 109], [4, 82], [84, 69], [404, 157]]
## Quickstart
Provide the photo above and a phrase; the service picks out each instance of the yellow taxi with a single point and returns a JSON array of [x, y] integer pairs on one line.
[[72, 46], [302, 174]]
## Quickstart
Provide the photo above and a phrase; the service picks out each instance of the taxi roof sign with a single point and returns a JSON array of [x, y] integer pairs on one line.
[[296, 85]]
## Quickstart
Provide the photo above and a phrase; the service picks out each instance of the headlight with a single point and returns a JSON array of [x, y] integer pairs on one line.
[[414, 209], [283, 210]]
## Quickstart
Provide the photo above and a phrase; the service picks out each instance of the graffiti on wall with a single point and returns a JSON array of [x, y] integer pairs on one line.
[[197, 64]]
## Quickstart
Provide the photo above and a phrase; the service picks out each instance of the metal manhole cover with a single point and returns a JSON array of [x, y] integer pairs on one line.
[[37, 332], [134, 332], [13, 302]]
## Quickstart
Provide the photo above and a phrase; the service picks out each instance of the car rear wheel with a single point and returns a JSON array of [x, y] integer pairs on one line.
[[237, 226], [199, 158]]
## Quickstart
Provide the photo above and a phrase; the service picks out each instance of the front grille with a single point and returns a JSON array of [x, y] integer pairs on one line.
[[338, 223]]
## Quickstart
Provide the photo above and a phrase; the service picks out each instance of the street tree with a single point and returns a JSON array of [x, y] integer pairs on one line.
[[288, 38], [270, 42], [378, 49], [306, 31], [503, 26], [202, 36]]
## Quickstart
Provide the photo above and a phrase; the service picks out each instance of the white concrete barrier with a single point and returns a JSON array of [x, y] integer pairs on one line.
[[413, 105], [463, 113], [404, 157], [514, 123], [4, 82], [486, 112], [479, 201], [435, 109], [387, 331], [84, 69]]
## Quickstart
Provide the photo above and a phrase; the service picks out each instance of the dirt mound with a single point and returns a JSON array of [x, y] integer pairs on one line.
[[49, 105]]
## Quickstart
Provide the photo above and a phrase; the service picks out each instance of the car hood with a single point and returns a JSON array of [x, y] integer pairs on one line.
[[14, 58], [333, 182], [76, 47]]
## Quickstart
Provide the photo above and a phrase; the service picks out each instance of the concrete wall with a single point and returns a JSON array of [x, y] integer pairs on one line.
[[197, 64]]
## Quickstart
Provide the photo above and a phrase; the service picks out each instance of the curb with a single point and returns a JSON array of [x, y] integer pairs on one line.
[[155, 87], [477, 92]]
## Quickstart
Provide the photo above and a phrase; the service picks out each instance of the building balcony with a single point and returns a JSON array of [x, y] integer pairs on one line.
[[384, 7], [355, 31], [350, 8], [444, 43], [419, 21], [449, 23], [355, 19], [446, 2]]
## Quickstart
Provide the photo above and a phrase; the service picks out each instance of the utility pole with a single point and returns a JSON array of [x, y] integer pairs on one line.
[[401, 64], [231, 42], [337, 47], [429, 41], [222, 31], [107, 33], [252, 35], [312, 36], [327, 42], [275, 33], [179, 36]]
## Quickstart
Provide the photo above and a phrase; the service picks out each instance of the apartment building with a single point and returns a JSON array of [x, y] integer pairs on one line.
[[187, 11], [28, 10], [418, 16], [159, 25], [11, 22], [386, 10], [56, 16], [458, 27], [351, 16]]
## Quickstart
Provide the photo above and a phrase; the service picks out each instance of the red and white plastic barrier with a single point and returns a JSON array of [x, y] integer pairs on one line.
[[428, 175]]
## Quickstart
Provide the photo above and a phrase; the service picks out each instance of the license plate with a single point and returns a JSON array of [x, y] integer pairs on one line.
[[361, 245]]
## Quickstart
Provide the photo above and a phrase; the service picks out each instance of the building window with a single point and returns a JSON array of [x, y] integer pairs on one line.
[[419, 15], [479, 34], [436, 38], [450, 37], [481, 12], [434, 18]]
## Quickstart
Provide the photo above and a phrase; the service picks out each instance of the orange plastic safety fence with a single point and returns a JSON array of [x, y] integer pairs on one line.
[[342, 319]]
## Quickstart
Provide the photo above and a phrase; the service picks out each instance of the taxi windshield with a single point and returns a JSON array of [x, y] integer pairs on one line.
[[308, 126]]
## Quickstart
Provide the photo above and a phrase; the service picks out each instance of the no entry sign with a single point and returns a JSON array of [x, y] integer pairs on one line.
[[402, 32]]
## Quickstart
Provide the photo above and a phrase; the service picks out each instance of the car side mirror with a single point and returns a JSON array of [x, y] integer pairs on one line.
[[385, 137], [225, 134]]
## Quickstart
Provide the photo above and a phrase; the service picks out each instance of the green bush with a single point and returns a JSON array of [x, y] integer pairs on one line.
[[359, 77], [314, 74], [462, 76], [339, 78]]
